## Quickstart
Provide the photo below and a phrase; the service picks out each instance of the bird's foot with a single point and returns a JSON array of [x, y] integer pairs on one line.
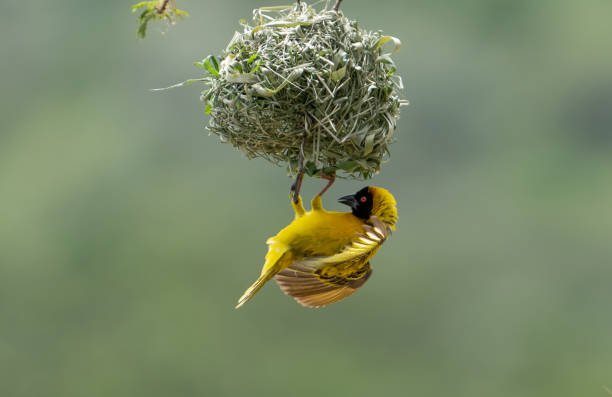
[[297, 185], [330, 180]]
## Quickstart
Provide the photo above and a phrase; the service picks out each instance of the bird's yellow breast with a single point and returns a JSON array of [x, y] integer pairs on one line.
[[319, 233]]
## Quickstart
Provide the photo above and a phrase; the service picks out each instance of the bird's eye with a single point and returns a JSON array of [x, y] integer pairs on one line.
[[363, 199]]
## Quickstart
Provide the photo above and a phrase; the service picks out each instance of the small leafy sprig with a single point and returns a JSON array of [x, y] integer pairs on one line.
[[157, 11]]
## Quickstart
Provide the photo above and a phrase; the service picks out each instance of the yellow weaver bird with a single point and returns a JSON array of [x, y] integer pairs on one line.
[[324, 256]]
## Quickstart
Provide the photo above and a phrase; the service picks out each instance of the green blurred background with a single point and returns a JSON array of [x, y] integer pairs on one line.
[[127, 233]]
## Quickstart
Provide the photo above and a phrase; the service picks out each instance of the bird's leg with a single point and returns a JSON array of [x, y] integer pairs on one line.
[[295, 188], [330, 180], [337, 5], [297, 185]]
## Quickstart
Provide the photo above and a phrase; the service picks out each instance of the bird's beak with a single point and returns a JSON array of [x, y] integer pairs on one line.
[[348, 200]]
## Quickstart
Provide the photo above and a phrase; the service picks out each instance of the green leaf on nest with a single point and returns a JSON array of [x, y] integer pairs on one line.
[[252, 58], [310, 168], [338, 75], [385, 39]]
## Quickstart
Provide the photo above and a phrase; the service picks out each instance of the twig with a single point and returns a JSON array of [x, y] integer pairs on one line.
[[162, 9], [337, 5]]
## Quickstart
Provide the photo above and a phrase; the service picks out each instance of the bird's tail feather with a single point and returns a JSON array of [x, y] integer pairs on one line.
[[252, 290], [275, 260]]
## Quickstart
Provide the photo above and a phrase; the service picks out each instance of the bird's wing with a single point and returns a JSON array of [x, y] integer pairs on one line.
[[311, 290], [318, 281], [360, 249]]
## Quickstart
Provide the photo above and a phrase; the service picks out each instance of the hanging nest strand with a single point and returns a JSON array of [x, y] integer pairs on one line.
[[299, 72]]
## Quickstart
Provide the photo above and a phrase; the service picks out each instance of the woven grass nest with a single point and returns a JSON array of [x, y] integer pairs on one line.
[[305, 79]]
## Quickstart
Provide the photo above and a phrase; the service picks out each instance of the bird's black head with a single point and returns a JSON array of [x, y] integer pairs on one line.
[[360, 203]]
